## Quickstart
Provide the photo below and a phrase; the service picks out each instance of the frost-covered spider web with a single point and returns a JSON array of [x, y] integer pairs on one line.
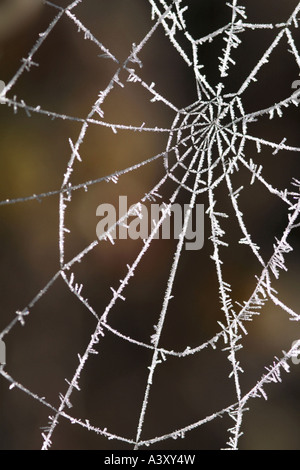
[[154, 338]]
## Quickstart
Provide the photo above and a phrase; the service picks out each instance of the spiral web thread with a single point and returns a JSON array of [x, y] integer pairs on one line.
[[215, 121]]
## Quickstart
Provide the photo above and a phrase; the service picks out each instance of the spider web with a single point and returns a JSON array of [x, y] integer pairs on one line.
[[215, 152]]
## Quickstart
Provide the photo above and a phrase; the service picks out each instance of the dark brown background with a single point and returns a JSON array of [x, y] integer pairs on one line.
[[34, 154]]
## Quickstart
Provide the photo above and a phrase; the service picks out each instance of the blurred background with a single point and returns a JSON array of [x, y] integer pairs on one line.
[[34, 154]]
